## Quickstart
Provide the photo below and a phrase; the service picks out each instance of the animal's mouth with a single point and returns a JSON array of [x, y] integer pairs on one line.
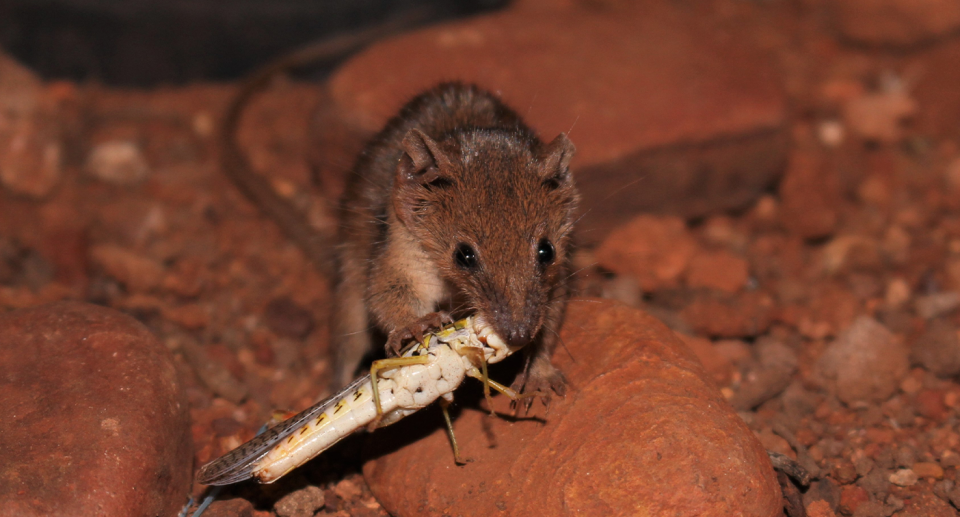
[[490, 339]]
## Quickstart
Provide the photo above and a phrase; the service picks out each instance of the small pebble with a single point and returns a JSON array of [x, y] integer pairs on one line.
[[885, 459], [950, 459], [229, 508], [904, 477], [898, 293], [925, 504], [845, 473], [876, 482], [820, 509], [952, 399], [896, 245], [954, 497], [933, 305], [930, 404], [764, 382], [866, 360], [906, 456], [721, 270], [943, 487], [878, 116], [624, 289], [655, 250], [863, 465], [938, 349], [347, 490], [851, 497], [285, 317], [203, 124], [831, 448], [952, 174], [119, 162], [831, 133], [894, 502], [870, 509], [300, 503], [926, 469], [213, 373], [910, 385], [138, 273], [766, 209], [825, 490], [30, 161]]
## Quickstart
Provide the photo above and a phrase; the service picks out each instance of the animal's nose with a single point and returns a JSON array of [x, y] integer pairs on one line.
[[518, 337]]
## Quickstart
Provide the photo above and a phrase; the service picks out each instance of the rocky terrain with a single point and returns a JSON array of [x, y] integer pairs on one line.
[[777, 182]]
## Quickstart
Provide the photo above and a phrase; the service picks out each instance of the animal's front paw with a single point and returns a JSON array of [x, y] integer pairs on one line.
[[541, 381], [415, 330]]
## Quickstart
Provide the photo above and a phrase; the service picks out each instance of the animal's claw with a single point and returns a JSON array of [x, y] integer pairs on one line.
[[416, 330]]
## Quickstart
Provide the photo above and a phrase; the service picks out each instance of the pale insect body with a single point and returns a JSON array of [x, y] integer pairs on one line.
[[445, 358]]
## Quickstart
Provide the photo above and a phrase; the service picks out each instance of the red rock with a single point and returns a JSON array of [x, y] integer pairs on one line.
[[937, 93], [187, 278], [953, 266], [928, 469], [774, 443], [820, 508], [926, 505], [933, 305], [286, 318], [718, 365], [718, 315], [851, 497], [777, 364], [850, 252], [190, 316], [866, 362], [653, 250], [896, 22], [642, 432], [300, 503], [669, 114], [229, 508], [833, 306], [119, 162], [721, 270], [96, 422], [347, 489], [810, 197], [30, 148], [138, 273], [879, 117], [930, 404], [214, 371]]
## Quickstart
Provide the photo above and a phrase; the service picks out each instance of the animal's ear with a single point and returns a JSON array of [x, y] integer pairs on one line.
[[423, 166], [423, 162], [555, 162]]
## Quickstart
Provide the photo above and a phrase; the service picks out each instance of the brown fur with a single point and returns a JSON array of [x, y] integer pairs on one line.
[[456, 166]]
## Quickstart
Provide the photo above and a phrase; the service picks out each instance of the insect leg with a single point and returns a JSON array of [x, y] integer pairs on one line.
[[476, 357], [389, 364], [444, 404], [490, 383]]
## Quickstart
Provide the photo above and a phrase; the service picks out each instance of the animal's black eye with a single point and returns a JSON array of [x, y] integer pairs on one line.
[[545, 252], [465, 257]]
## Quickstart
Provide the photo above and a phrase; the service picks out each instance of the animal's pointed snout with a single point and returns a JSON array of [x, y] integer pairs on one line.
[[518, 336]]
